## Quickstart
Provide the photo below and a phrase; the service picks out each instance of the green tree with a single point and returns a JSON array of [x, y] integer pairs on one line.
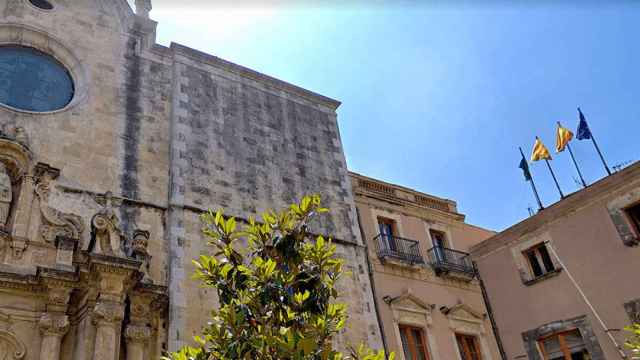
[[276, 288], [633, 341]]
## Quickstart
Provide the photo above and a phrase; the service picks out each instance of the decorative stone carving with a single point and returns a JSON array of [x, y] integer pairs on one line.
[[10, 347], [137, 333], [6, 195], [58, 297], [140, 243], [54, 222], [106, 237], [139, 251], [54, 325], [108, 313]]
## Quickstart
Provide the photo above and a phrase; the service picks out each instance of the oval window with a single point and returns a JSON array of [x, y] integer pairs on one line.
[[32, 80], [42, 4]]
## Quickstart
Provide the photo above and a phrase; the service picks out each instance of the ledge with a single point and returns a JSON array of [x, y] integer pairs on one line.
[[387, 260], [546, 276]]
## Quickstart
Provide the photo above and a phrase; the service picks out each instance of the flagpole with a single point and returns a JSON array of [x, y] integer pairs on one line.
[[600, 153], [595, 144], [576, 164], [554, 178], [533, 185], [574, 161]]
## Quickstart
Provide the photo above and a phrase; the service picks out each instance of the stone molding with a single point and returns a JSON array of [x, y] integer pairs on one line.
[[581, 323], [16, 156], [623, 223], [54, 325]]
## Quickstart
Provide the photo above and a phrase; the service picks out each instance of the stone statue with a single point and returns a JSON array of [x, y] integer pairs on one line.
[[106, 237], [6, 195]]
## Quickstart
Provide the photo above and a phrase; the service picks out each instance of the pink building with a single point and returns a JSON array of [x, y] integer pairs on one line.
[[564, 283]]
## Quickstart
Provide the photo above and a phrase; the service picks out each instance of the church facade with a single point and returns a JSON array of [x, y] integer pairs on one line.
[[111, 146]]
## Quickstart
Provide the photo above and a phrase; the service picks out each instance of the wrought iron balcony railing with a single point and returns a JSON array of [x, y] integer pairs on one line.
[[445, 260], [388, 246]]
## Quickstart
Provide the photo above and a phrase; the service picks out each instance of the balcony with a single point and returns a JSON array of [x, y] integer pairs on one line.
[[451, 262], [397, 248]]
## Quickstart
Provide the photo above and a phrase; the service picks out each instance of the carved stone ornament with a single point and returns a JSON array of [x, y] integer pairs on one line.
[[10, 347], [140, 243], [54, 222], [106, 236], [58, 296], [54, 325], [137, 333], [139, 250], [107, 312]]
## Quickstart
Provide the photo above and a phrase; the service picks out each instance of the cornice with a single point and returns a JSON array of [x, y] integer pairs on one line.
[[403, 196]]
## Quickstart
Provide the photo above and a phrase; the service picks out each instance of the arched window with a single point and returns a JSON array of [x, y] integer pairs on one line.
[[32, 80]]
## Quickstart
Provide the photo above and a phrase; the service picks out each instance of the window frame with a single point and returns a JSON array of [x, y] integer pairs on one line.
[[633, 220], [388, 221], [407, 329], [476, 345], [535, 250], [442, 235], [561, 341]]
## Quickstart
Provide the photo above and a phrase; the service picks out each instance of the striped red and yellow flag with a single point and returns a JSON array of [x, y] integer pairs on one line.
[[563, 137], [540, 151]]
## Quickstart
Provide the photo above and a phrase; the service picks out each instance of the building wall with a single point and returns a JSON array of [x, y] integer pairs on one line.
[[153, 137], [582, 231], [402, 289]]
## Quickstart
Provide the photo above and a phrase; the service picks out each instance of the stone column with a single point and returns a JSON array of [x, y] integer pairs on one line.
[[137, 337], [53, 327], [107, 316]]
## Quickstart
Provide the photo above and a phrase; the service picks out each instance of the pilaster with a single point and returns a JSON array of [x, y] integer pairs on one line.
[[53, 327]]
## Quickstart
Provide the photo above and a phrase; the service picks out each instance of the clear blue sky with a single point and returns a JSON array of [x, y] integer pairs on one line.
[[438, 96]]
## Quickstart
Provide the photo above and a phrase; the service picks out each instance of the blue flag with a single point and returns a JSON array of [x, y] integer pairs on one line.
[[525, 169], [583, 132]]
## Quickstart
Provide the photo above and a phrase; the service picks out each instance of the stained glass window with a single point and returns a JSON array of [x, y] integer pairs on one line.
[[34, 81]]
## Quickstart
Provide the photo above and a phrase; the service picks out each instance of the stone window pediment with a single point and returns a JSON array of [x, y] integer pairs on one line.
[[465, 312], [408, 309]]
